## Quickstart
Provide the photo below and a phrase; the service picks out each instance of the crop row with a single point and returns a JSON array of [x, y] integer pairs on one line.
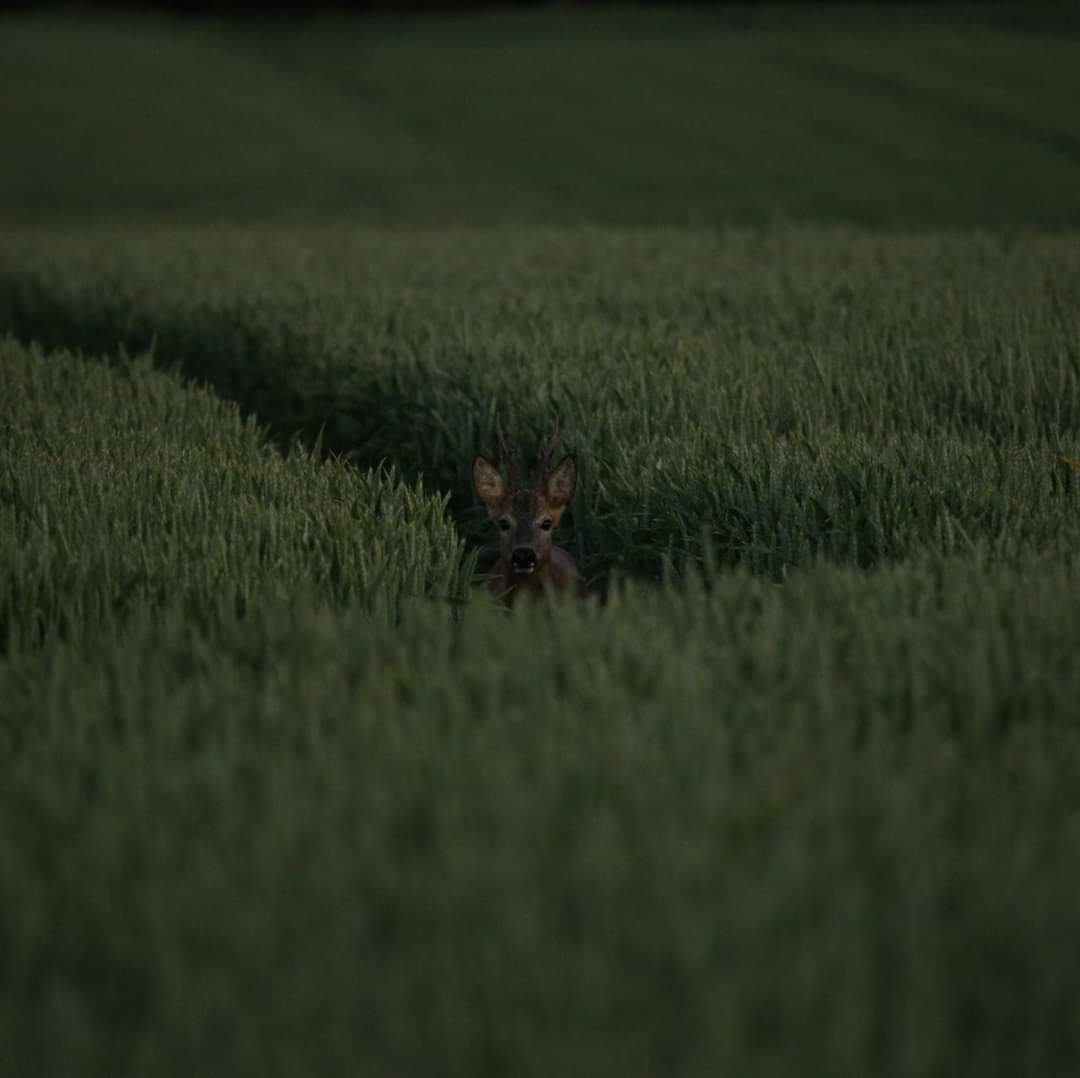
[[779, 397]]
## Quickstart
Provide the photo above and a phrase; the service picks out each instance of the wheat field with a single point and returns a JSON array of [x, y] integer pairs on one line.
[[797, 789]]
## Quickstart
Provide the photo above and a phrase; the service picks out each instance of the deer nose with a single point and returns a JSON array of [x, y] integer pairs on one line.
[[523, 559]]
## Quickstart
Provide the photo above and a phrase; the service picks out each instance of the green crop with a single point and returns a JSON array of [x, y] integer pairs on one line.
[[124, 490], [624, 118], [781, 396], [796, 790]]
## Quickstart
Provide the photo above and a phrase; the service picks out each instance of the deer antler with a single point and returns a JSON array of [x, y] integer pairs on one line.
[[506, 458], [544, 456]]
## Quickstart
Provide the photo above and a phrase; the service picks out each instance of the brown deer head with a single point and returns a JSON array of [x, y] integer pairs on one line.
[[526, 516]]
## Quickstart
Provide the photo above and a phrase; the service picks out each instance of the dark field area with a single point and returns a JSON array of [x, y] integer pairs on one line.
[[797, 791], [690, 118]]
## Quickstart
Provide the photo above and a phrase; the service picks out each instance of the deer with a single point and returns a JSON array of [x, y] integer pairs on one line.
[[526, 516]]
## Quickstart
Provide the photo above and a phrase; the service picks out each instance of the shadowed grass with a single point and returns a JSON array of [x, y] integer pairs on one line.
[[784, 395], [123, 489], [626, 840], [262, 811], [626, 118], [280, 794]]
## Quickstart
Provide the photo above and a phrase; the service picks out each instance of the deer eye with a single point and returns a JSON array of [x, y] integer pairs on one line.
[[545, 525], [504, 525]]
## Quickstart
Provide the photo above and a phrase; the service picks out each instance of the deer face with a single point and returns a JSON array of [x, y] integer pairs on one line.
[[527, 516]]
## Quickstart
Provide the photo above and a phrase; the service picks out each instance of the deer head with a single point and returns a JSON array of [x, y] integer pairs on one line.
[[526, 516]]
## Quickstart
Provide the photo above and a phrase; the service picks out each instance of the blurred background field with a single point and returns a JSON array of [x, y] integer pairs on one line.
[[627, 117], [281, 788]]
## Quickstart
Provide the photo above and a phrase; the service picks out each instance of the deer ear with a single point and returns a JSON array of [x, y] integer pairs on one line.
[[561, 483], [487, 482]]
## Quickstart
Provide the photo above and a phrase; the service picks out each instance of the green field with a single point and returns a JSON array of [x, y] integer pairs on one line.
[[283, 791]]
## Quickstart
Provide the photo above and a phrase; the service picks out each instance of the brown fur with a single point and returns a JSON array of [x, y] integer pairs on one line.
[[521, 513]]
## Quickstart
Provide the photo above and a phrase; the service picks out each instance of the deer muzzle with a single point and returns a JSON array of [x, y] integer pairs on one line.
[[523, 559]]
